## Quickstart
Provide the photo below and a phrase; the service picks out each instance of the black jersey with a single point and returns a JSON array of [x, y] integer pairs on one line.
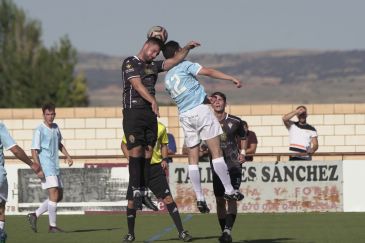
[[233, 133], [148, 72]]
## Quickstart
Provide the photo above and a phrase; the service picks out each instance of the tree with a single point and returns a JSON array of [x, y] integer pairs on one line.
[[31, 74]]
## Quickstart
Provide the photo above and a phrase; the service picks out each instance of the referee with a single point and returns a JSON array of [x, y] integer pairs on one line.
[[157, 182]]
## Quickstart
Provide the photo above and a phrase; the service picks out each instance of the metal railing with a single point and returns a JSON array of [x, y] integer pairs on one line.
[[277, 155]]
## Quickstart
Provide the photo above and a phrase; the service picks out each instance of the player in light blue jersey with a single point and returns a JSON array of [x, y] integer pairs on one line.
[[45, 146], [198, 120], [8, 143]]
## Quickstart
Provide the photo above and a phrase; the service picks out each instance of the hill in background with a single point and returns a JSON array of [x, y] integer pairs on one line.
[[287, 76]]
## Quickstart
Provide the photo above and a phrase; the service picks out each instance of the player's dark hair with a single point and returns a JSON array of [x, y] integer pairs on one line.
[[220, 94], [48, 106], [170, 48], [157, 41], [244, 123]]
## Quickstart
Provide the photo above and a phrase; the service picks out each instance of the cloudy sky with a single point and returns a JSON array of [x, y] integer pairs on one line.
[[118, 27]]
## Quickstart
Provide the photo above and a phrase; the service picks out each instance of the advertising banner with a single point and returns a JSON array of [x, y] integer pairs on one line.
[[96, 187], [293, 186]]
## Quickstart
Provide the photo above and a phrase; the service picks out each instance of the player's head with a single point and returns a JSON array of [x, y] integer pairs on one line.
[[49, 112], [220, 101], [170, 49], [151, 49], [302, 117]]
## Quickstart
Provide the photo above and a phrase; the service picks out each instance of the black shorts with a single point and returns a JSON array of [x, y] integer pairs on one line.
[[235, 173], [140, 127], [156, 182]]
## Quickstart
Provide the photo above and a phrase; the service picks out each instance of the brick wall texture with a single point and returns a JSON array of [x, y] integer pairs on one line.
[[97, 131]]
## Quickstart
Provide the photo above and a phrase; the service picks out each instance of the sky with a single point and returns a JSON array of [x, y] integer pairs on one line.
[[119, 27]]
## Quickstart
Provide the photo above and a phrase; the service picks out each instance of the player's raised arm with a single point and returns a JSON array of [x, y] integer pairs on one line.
[[179, 55], [213, 73]]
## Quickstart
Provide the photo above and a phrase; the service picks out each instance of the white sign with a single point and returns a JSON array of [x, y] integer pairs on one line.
[[293, 186]]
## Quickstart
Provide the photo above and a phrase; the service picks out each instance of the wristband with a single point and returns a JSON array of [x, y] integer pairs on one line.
[[243, 152]]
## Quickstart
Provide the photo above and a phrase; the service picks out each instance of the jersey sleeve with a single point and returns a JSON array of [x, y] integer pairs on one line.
[[192, 68], [241, 131], [314, 134], [5, 138], [130, 69], [164, 138], [124, 139], [36, 141], [59, 135]]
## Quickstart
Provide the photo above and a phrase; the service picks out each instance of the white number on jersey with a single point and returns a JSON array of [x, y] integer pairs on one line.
[[174, 86]]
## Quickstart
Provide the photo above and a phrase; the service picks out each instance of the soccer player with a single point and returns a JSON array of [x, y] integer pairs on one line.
[[140, 109], [45, 145], [157, 182], [233, 144], [197, 120], [8, 143]]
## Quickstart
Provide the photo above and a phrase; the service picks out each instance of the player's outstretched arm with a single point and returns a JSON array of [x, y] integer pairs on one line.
[[180, 55], [21, 155], [213, 73]]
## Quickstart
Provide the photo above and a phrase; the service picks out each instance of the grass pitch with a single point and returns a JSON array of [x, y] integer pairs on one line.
[[249, 228]]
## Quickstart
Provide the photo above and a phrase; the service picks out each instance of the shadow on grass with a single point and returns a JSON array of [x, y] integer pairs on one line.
[[92, 230], [277, 240], [194, 238]]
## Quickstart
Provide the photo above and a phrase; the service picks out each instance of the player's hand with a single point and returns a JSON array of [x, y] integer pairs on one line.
[[241, 158], [300, 111], [310, 151], [192, 44], [69, 161], [164, 164], [37, 170], [155, 109], [212, 99], [237, 82]]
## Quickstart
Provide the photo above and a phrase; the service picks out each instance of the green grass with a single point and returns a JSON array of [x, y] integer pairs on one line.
[[249, 228]]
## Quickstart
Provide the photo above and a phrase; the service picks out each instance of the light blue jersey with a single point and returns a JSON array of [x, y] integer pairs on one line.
[[46, 140], [183, 86], [6, 142]]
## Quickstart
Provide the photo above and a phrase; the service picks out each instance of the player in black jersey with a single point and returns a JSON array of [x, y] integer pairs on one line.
[[233, 144], [140, 109]]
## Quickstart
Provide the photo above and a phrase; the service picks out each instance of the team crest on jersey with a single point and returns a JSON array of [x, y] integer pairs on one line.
[[223, 137], [148, 71], [131, 139], [230, 125]]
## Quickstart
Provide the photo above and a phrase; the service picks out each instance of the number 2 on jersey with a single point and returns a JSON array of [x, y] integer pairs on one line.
[[174, 86]]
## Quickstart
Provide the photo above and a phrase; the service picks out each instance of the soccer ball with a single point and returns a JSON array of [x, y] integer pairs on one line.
[[158, 32]]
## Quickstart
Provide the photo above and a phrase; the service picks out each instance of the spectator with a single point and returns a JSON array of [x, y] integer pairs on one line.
[[171, 146], [302, 136], [251, 142]]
